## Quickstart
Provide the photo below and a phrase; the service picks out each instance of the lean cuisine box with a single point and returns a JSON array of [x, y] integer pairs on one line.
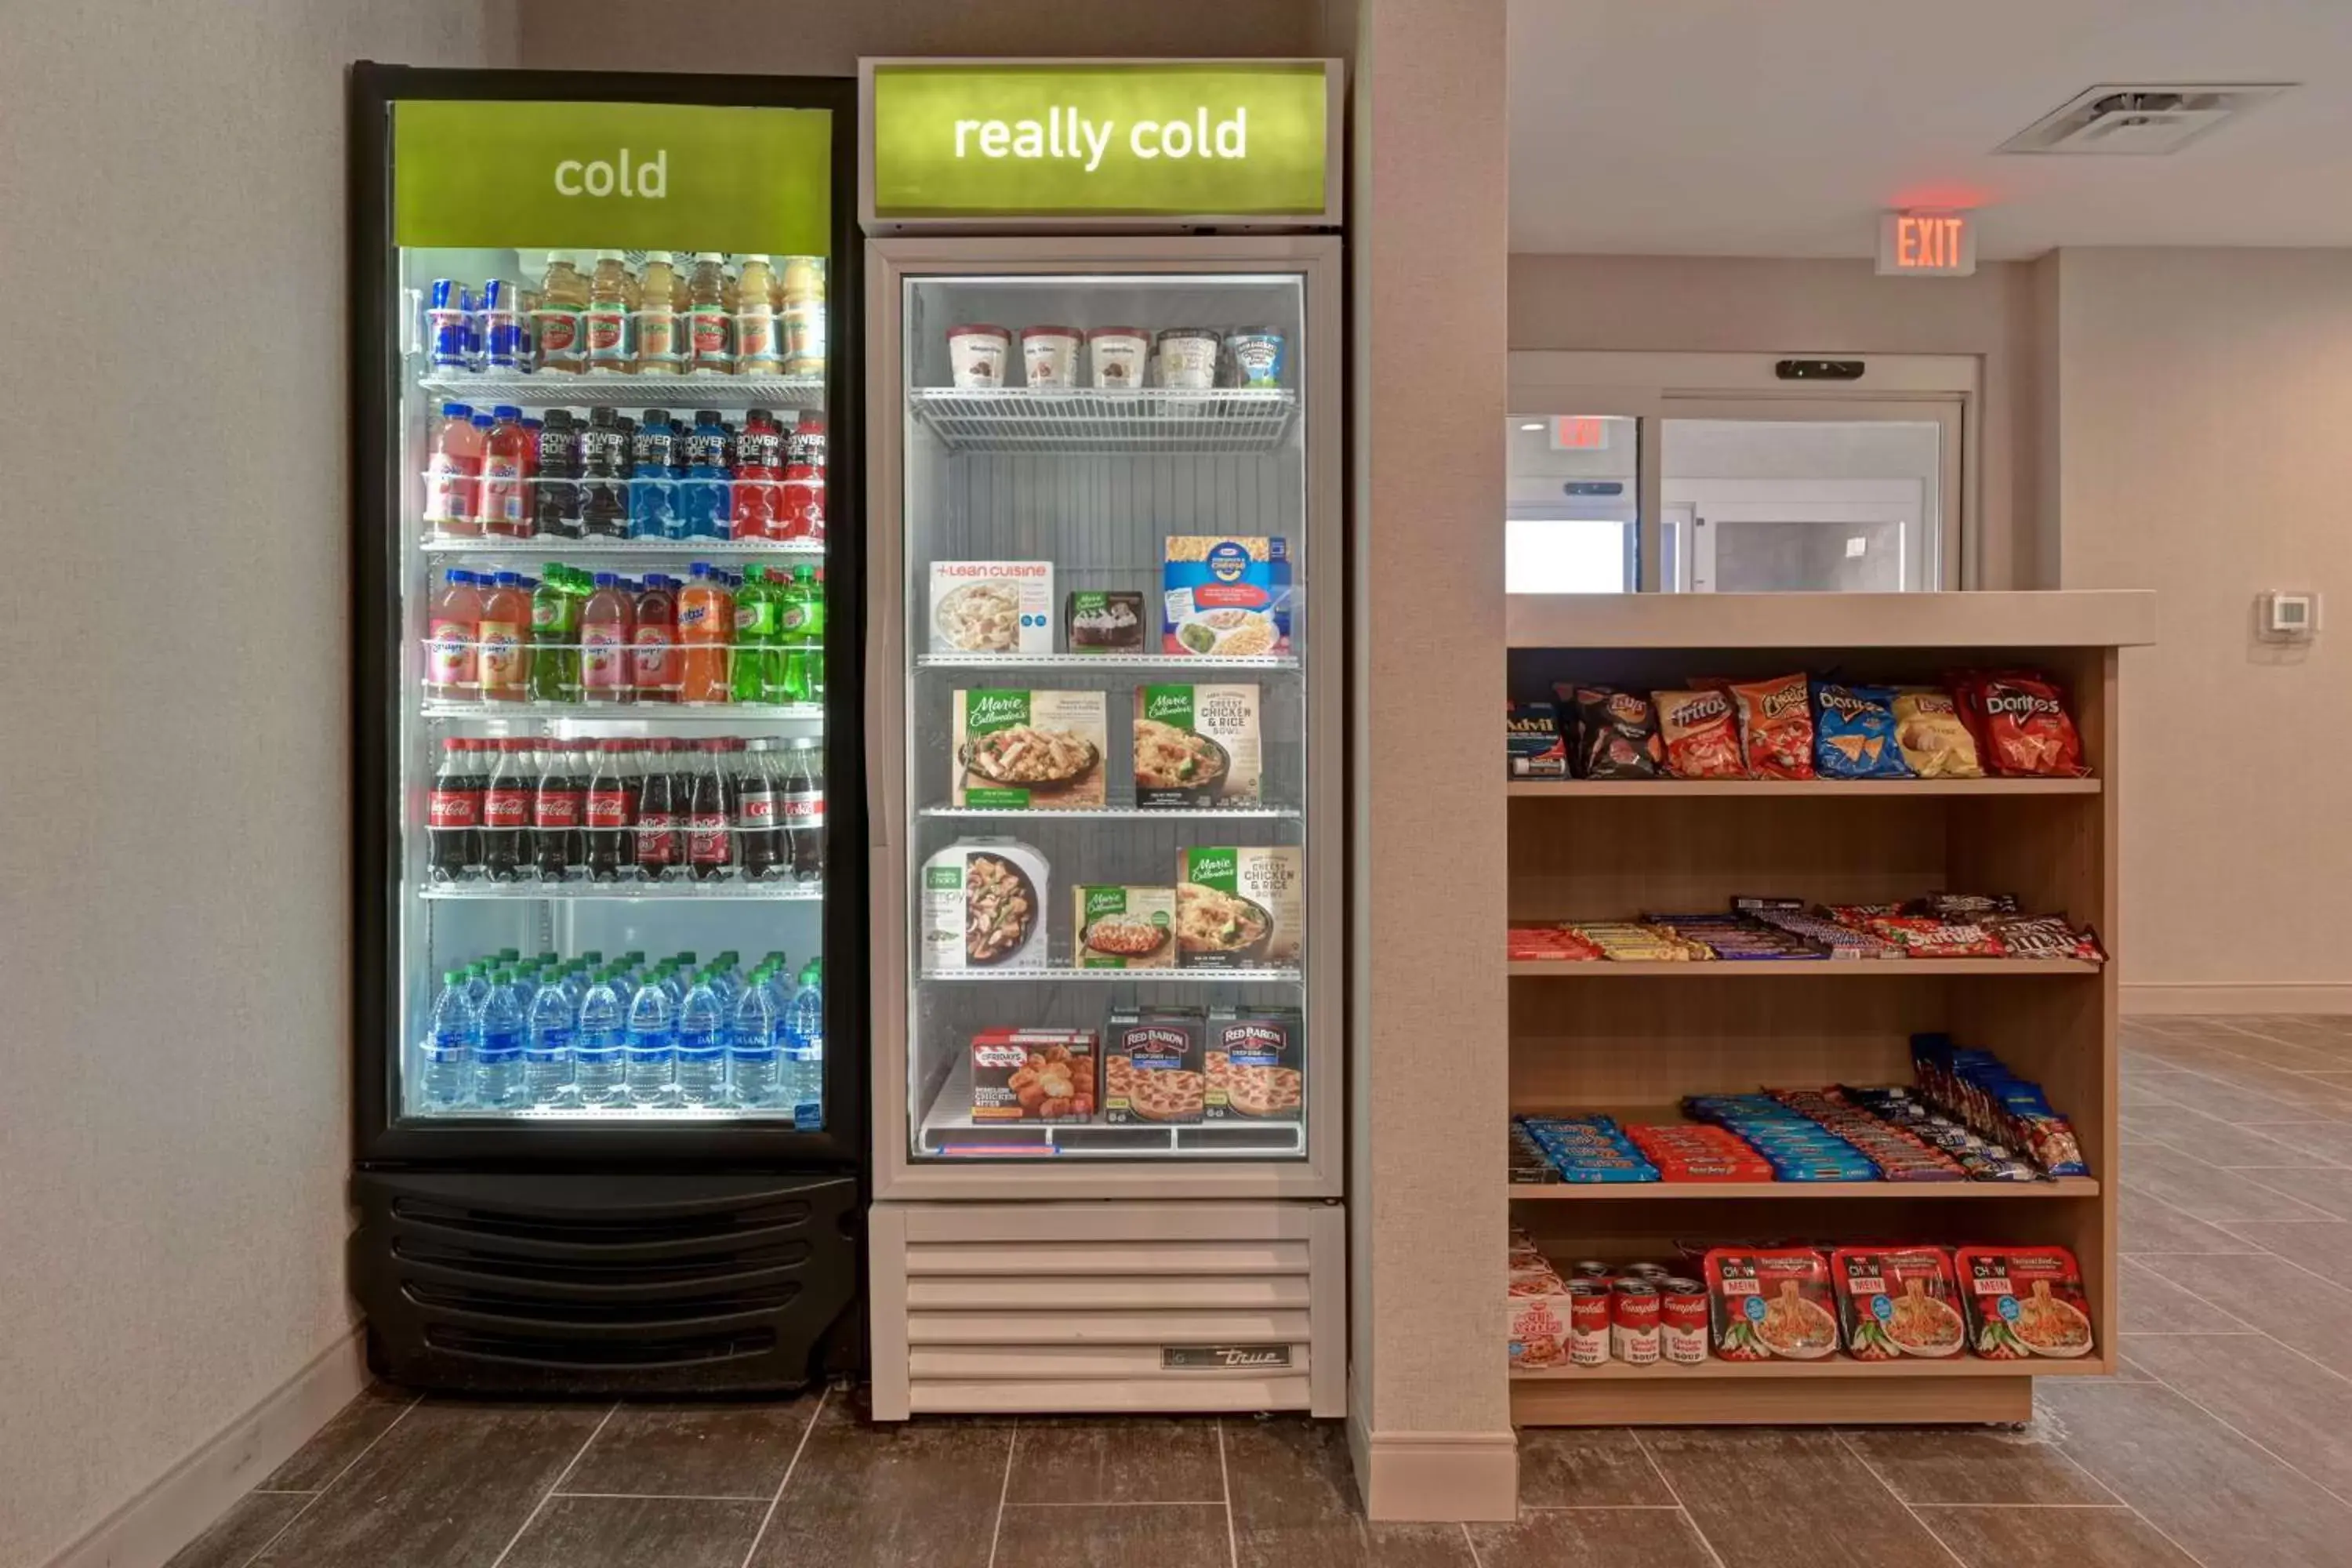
[[991, 607]]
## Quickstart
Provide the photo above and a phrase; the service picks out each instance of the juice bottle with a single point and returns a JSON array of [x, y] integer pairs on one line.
[[608, 315], [505, 640], [454, 625], [801, 289], [604, 655], [657, 316], [453, 481], [505, 465], [756, 352], [755, 635], [555, 636], [654, 641], [557, 322], [705, 623], [710, 348]]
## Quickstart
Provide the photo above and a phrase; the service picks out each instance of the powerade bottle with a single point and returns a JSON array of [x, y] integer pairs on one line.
[[703, 511], [701, 1043], [547, 1052], [752, 1044], [498, 1058], [804, 1027], [598, 1050], [450, 1049], [653, 457], [653, 1047]]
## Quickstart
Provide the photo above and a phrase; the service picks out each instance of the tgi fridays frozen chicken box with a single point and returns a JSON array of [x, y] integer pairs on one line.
[[991, 607]]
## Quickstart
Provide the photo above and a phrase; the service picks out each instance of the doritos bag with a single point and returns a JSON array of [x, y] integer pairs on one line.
[[1775, 727], [1934, 741], [1854, 732], [1702, 742], [1617, 735], [2022, 723]]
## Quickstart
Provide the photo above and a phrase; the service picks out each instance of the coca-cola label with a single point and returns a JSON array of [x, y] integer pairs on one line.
[[506, 807], [757, 809], [456, 808], [559, 808], [608, 807], [803, 810], [706, 841]]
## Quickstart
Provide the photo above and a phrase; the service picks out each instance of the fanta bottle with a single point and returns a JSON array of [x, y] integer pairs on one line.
[[454, 623], [505, 465], [657, 345], [453, 480], [756, 350], [711, 341], [557, 319], [706, 625], [505, 640], [608, 315]]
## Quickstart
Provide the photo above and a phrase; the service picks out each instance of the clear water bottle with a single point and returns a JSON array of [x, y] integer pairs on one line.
[[752, 1045], [477, 983], [805, 1026], [723, 977], [573, 980], [547, 1053], [624, 986], [653, 1047], [597, 1050], [702, 1043], [497, 1051], [450, 1049]]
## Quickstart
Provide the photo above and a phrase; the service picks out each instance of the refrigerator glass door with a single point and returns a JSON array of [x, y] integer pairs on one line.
[[1107, 678], [610, 732]]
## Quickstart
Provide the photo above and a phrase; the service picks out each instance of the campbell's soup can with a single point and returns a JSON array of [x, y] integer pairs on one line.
[[1588, 1323], [1591, 1269], [1634, 1322], [1682, 1321], [1650, 1272]]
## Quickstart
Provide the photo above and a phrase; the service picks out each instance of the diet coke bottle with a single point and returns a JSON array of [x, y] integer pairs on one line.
[[758, 837], [801, 802]]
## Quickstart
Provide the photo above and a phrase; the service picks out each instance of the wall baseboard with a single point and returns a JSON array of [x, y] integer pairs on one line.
[[1436, 1477], [183, 1504], [2208, 997]]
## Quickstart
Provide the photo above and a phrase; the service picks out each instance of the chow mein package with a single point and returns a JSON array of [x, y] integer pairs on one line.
[[1933, 740], [1702, 742], [1616, 735], [2023, 1301], [1854, 732], [1775, 727], [1895, 1301], [1771, 1302]]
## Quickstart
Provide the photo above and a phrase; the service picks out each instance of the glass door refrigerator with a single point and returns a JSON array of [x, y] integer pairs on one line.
[[1105, 730], [608, 785]]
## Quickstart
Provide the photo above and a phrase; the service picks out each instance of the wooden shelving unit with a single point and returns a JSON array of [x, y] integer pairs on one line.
[[1581, 849]]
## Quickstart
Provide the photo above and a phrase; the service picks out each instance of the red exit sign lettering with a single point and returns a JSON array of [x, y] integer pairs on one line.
[[1926, 244]]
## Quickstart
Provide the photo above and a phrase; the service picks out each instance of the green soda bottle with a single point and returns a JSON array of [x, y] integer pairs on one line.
[[555, 636], [755, 635]]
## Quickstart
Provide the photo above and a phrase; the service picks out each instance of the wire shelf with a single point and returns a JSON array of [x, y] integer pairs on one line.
[[1276, 812], [438, 708], [1092, 420], [1103, 661], [686, 890], [542, 545], [565, 389], [1131, 976]]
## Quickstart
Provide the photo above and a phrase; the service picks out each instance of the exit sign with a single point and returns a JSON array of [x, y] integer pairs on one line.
[[1578, 433], [1926, 244]]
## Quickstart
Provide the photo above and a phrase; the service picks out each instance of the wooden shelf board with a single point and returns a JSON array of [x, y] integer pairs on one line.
[[1828, 1368], [1756, 789], [1795, 969], [2107, 618], [1672, 1192]]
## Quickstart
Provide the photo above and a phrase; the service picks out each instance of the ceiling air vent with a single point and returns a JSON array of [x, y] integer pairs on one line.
[[2144, 122]]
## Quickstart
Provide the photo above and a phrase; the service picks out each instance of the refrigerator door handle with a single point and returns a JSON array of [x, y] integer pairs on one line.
[[885, 785]]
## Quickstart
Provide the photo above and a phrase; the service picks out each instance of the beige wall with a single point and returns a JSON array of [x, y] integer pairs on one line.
[[1698, 304], [174, 1075], [2202, 400]]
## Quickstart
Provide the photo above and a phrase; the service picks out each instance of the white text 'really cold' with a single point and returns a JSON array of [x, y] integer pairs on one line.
[[1066, 134]]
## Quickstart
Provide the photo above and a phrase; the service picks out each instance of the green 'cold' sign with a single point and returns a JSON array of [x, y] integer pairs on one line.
[[624, 177], [1145, 138]]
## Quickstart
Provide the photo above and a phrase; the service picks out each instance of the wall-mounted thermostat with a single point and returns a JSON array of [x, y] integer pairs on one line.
[[2282, 616]]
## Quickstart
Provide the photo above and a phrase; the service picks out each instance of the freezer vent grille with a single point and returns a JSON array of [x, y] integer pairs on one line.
[[1088, 419]]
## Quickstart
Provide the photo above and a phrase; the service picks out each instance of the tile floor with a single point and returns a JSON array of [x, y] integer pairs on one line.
[[2227, 1440]]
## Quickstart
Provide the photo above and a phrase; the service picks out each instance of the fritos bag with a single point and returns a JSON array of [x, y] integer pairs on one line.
[[1775, 727], [1933, 740], [2022, 724], [1702, 742]]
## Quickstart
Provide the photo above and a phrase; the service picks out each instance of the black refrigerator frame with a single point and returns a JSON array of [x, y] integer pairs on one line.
[[662, 1189]]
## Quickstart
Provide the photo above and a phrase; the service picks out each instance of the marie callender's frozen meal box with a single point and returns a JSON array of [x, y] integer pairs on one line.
[[1225, 595]]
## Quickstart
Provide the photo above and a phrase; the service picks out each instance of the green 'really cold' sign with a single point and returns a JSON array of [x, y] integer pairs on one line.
[[961, 141], [621, 176]]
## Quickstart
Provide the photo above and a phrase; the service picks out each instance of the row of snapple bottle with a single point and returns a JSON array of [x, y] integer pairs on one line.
[[751, 316], [510, 1034], [580, 637], [627, 810], [504, 475]]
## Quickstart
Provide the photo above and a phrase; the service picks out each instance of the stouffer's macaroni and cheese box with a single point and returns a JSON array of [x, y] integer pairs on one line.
[[1226, 596]]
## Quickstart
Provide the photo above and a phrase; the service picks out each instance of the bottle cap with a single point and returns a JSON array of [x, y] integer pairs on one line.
[[656, 416], [507, 411], [712, 255], [612, 255], [607, 579], [663, 257], [455, 411], [452, 976], [482, 421], [509, 579]]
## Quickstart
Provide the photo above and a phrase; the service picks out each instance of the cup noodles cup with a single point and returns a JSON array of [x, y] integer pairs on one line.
[[1049, 357], [1681, 1322], [1117, 356], [1186, 358], [978, 354], [1633, 1317], [1588, 1321]]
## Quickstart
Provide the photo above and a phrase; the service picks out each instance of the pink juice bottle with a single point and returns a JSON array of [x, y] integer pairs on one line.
[[453, 479], [454, 627], [606, 655], [654, 642]]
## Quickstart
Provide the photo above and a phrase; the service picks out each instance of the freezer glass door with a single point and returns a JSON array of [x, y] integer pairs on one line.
[[1109, 676], [610, 733]]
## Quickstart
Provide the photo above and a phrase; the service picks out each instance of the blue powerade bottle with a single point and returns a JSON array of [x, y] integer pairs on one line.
[[653, 469]]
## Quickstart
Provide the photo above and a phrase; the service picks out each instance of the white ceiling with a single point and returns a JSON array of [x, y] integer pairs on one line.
[[1782, 127]]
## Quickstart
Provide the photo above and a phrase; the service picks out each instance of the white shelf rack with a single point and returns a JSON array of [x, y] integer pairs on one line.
[[683, 891], [1169, 661], [1120, 813], [563, 389], [1093, 419], [540, 548], [632, 712], [1128, 976]]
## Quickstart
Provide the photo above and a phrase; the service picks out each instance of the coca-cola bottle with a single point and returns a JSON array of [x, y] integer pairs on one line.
[[557, 814], [555, 494], [709, 851], [455, 813], [801, 804], [633, 770], [657, 814], [608, 814], [507, 810], [758, 846]]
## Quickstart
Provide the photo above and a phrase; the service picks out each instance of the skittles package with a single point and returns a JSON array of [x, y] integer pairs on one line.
[[1854, 732]]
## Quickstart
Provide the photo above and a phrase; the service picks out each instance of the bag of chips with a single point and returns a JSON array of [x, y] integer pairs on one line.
[[1854, 732], [2021, 720], [1775, 727], [1617, 735], [1933, 740], [1702, 742]]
